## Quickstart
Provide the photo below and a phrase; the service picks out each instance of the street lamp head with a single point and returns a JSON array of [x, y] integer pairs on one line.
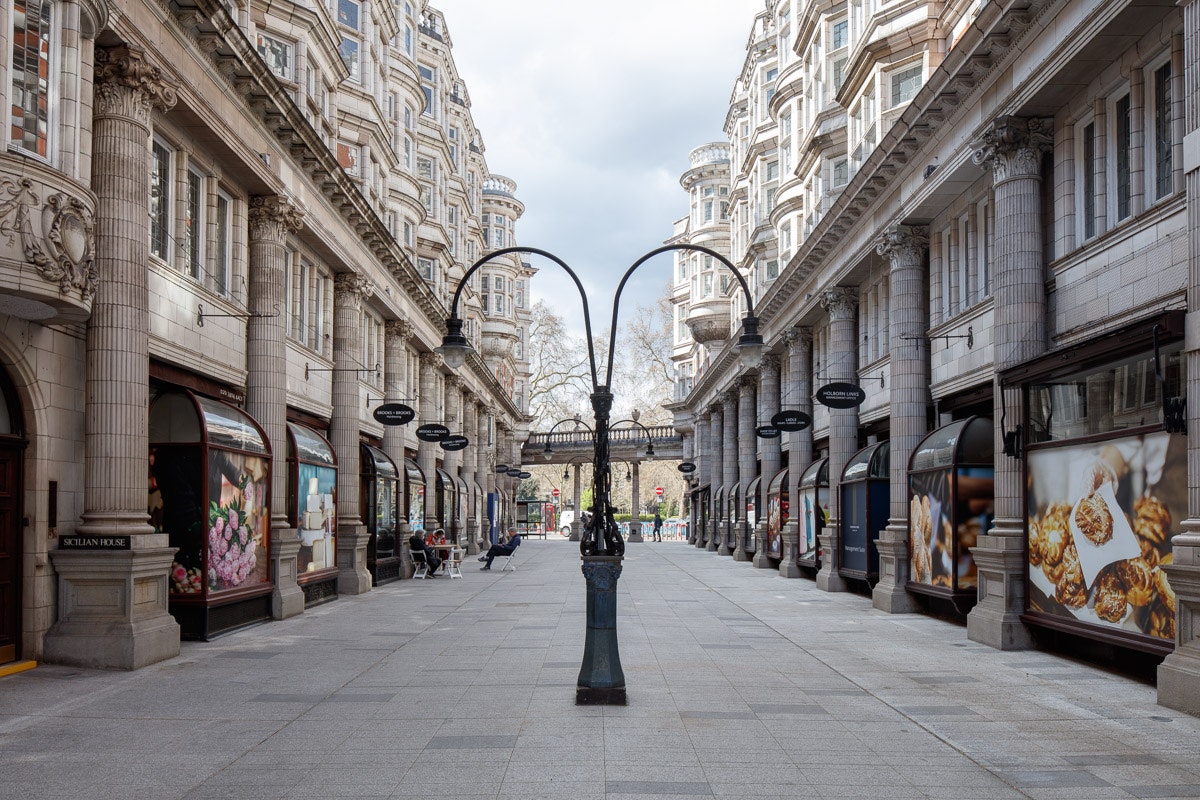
[[566, 474], [650, 449], [455, 347], [750, 343], [547, 453]]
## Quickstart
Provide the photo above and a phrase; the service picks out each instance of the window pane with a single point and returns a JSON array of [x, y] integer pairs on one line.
[[349, 52], [277, 55], [905, 85], [1124, 144], [221, 262], [31, 74], [1089, 180], [348, 13], [195, 223], [1162, 131], [160, 200]]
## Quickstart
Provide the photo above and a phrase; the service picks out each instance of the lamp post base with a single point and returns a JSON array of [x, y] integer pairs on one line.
[[601, 679]]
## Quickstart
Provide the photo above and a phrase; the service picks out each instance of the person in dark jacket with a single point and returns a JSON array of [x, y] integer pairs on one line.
[[506, 549], [417, 545], [657, 527]]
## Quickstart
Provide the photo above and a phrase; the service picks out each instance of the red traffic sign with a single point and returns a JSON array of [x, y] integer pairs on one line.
[[554, 492], [658, 491]]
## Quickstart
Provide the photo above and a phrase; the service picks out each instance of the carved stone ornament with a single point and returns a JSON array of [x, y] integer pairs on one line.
[[798, 339], [904, 244], [399, 329], [839, 302], [1014, 146], [127, 86], [272, 217], [351, 288], [57, 236]]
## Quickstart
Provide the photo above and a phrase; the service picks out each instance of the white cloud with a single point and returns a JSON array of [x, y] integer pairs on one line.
[[592, 108]]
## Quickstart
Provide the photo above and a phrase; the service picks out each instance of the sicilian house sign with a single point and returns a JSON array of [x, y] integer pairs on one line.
[[841, 395]]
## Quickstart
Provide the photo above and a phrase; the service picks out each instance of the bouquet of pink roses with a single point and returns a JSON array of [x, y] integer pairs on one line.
[[231, 543]]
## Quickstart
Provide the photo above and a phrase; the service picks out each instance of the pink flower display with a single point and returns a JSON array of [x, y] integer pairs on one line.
[[231, 542]]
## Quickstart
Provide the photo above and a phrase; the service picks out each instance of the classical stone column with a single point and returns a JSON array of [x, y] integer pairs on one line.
[[769, 451], [467, 471], [450, 458], [430, 369], [635, 523], [484, 469], [729, 465], [905, 247], [396, 334], [716, 473], [800, 445], [112, 604], [695, 532], [1013, 149], [841, 305], [747, 463], [350, 291], [271, 219], [1179, 674]]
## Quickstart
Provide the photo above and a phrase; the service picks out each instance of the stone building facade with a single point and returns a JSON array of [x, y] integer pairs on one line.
[[971, 236], [231, 234]]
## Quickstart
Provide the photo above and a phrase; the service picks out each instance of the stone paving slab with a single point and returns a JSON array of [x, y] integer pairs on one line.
[[741, 685]]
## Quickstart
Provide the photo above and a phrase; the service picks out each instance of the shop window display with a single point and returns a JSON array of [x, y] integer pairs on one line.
[[313, 485], [813, 495]]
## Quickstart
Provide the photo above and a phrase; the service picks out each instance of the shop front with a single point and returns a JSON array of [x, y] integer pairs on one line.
[[718, 517], [950, 488], [1106, 465], [379, 489], [778, 513], [705, 513], [753, 513], [813, 496], [414, 497], [312, 507], [864, 511], [735, 511], [463, 504], [444, 496], [210, 491]]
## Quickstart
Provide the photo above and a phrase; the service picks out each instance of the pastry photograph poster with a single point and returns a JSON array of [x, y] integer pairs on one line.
[[1100, 521]]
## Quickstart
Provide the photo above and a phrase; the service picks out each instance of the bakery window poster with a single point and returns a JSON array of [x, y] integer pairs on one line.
[[1100, 520]]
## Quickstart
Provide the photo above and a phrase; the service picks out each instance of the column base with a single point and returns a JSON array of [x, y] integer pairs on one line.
[[601, 679], [472, 538], [576, 531], [711, 542], [739, 552], [1179, 674], [996, 618], [790, 537], [828, 578], [112, 608], [353, 575], [761, 560], [890, 594], [287, 599]]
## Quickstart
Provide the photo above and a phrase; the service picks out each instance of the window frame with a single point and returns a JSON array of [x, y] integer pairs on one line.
[[50, 92], [162, 204]]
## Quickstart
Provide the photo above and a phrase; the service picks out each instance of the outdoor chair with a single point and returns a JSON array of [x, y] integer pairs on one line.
[[420, 565]]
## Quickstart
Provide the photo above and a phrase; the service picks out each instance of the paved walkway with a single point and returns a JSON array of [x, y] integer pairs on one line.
[[741, 685]]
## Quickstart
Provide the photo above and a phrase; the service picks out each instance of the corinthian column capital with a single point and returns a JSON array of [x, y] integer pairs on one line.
[[398, 330], [1013, 147], [126, 85], [840, 302], [904, 244], [350, 288], [272, 217]]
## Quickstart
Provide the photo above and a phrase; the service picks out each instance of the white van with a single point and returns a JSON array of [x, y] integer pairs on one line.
[[564, 522]]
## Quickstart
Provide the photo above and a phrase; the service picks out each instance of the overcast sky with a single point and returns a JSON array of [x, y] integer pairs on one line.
[[592, 108]]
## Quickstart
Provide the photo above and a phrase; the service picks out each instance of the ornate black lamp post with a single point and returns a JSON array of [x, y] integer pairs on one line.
[[601, 679]]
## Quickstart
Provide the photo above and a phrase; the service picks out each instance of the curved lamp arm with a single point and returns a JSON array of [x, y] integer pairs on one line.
[[456, 347], [750, 343], [645, 430]]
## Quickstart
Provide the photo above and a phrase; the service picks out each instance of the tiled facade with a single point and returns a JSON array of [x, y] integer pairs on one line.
[[265, 208], [965, 210]]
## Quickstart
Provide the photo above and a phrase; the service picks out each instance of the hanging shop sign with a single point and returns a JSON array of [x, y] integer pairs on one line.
[[394, 414], [687, 467], [502, 468], [455, 442], [524, 475], [841, 395], [432, 432], [791, 421], [767, 432]]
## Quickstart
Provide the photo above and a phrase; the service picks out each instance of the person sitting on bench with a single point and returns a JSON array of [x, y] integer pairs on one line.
[[417, 545], [506, 549]]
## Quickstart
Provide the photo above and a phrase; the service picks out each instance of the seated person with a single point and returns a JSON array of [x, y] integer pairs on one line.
[[417, 545], [506, 549]]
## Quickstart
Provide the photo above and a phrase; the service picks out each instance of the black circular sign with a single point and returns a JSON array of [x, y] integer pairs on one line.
[[791, 421], [394, 414], [524, 475], [513, 472], [686, 467], [432, 432], [455, 442], [767, 432], [841, 395], [502, 468]]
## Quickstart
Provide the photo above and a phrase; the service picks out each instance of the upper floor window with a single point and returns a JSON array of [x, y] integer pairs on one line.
[[348, 14], [905, 84], [31, 101], [350, 52], [1163, 142], [223, 246], [349, 156], [161, 168], [277, 55], [194, 223], [427, 87], [1122, 124]]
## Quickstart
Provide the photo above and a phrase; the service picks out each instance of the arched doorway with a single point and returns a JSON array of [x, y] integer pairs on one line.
[[12, 445]]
